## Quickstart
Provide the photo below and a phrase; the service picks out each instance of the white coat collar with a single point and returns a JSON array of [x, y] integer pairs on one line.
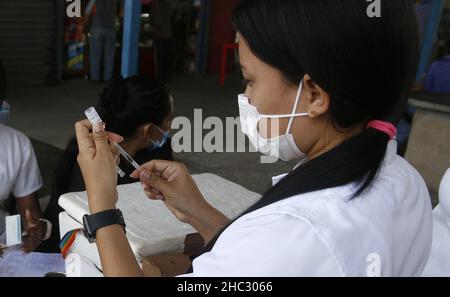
[[391, 153]]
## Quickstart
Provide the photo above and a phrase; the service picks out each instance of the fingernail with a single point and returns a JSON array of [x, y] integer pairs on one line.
[[145, 174], [98, 127]]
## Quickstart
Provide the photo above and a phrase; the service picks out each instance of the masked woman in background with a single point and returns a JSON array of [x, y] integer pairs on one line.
[[138, 108]]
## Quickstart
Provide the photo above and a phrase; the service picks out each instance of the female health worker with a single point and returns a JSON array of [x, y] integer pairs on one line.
[[335, 81]]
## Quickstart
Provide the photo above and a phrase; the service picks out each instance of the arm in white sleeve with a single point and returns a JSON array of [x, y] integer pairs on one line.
[[269, 245]]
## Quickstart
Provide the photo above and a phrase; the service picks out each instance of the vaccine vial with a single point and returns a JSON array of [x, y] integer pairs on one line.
[[92, 115], [94, 118]]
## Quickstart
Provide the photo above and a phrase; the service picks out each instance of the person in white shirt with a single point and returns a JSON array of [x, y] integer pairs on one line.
[[20, 177], [439, 262], [326, 85]]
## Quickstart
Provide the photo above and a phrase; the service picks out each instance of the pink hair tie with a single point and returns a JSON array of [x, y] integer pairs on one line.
[[385, 127]]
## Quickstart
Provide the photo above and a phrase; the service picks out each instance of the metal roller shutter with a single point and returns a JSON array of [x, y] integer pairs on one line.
[[28, 40]]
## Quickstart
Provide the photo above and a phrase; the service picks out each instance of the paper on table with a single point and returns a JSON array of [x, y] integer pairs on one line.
[[17, 264], [13, 230]]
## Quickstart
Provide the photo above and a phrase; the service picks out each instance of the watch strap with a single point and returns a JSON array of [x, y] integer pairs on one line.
[[102, 219]]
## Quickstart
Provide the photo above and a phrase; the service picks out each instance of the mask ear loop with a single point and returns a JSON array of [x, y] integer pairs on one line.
[[164, 137], [160, 130], [297, 101]]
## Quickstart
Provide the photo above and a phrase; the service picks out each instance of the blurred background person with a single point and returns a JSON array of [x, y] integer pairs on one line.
[[100, 22], [437, 79], [423, 9], [20, 179], [162, 35]]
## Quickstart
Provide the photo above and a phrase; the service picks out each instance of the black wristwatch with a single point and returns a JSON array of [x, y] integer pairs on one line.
[[99, 220]]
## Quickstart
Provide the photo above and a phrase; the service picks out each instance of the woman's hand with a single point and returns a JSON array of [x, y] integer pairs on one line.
[[171, 182], [35, 232], [98, 160]]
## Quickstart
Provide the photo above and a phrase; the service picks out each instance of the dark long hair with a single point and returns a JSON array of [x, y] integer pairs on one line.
[[367, 65]]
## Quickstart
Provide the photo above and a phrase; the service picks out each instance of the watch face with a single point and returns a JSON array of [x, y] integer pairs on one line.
[[85, 234], [87, 229]]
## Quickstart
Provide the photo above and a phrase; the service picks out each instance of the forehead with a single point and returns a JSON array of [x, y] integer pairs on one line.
[[251, 64], [246, 56]]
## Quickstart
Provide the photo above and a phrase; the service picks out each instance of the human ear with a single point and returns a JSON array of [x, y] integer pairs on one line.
[[316, 99], [146, 131]]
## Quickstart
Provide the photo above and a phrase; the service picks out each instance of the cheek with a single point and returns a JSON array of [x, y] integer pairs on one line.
[[267, 101], [261, 98], [166, 126], [306, 132]]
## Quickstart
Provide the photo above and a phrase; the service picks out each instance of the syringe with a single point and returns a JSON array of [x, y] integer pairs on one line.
[[94, 118]]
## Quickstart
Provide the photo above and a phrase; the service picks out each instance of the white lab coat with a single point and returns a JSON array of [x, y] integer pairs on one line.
[[384, 232]]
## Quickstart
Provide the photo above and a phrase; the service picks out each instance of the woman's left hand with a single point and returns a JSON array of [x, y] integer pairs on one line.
[[35, 231], [98, 161]]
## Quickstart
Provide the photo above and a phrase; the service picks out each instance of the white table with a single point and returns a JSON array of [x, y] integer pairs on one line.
[[151, 228]]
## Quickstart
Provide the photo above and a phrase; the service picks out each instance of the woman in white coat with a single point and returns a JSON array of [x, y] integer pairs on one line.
[[439, 261], [334, 82]]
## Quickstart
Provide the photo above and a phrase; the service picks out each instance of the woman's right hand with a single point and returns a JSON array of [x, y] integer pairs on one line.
[[171, 182]]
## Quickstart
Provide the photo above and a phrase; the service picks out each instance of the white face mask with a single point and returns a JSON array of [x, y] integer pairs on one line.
[[282, 147]]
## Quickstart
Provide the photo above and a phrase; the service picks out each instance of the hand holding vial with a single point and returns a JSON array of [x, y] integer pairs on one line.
[[94, 118]]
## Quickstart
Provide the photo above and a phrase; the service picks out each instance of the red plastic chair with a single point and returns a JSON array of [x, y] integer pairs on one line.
[[223, 66]]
